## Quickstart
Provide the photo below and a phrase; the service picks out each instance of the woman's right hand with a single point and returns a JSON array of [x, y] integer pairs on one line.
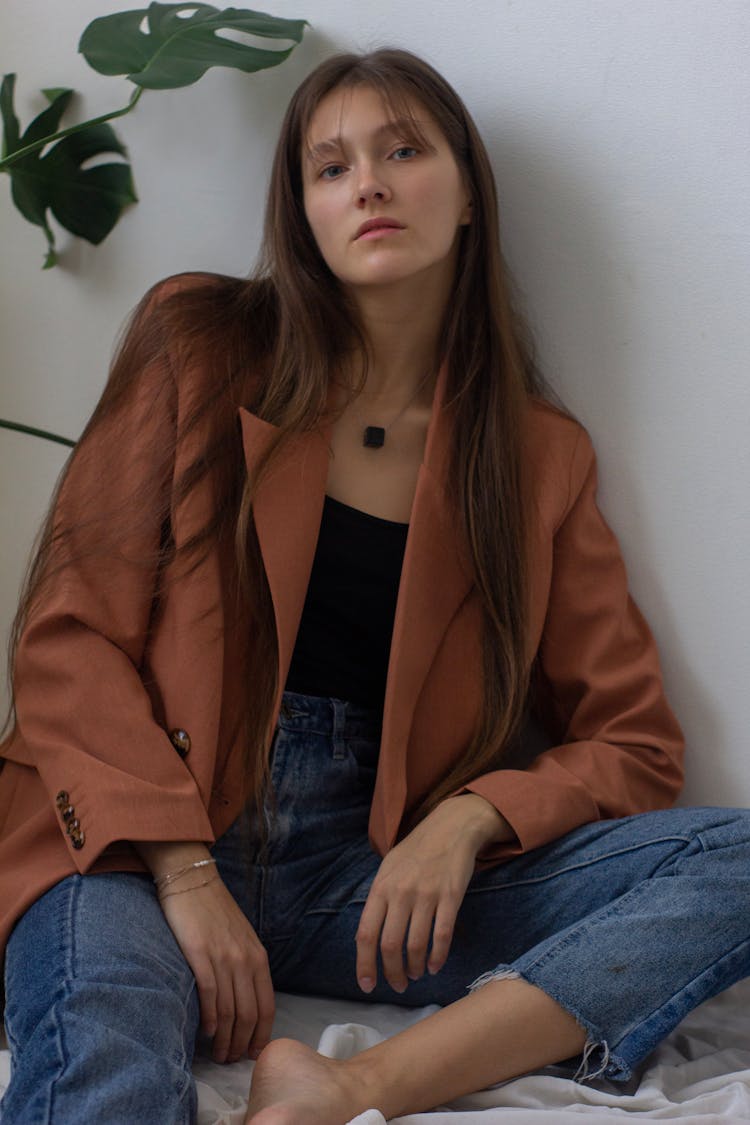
[[230, 966], [226, 956]]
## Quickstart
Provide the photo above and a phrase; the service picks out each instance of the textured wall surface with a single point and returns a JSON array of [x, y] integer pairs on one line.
[[619, 134]]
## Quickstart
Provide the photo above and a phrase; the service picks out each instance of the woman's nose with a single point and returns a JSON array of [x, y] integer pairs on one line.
[[371, 187]]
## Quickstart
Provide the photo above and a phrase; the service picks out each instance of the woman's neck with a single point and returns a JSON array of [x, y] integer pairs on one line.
[[402, 326]]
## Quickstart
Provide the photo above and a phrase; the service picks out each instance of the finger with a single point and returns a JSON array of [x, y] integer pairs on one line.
[[392, 945], [420, 925], [245, 1011], [225, 1013], [368, 934], [266, 1002], [442, 934], [205, 982]]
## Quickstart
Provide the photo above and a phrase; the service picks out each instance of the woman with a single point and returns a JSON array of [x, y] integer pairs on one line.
[[293, 742]]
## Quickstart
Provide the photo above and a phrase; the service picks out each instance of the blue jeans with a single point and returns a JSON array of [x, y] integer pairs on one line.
[[628, 924]]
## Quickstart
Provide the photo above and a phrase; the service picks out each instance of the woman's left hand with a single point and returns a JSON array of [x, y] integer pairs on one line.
[[422, 881]]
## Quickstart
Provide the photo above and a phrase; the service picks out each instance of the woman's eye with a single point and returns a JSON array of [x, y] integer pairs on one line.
[[404, 152], [331, 171]]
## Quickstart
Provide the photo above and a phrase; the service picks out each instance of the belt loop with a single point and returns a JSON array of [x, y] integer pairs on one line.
[[339, 728]]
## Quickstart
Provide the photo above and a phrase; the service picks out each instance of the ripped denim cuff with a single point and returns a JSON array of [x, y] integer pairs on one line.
[[596, 1060]]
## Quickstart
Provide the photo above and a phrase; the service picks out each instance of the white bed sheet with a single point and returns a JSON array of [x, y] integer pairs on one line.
[[700, 1074]]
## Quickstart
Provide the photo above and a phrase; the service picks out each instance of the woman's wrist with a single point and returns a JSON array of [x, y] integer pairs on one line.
[[164, 858], [178, 867], [486, 824]]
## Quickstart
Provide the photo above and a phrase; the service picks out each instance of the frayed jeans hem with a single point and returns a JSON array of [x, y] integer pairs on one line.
[[596, 1059]]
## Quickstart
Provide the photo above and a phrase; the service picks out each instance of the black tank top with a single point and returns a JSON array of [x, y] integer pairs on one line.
[[344, 636]]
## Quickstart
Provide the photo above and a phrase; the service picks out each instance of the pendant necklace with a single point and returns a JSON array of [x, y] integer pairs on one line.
[[374, 436]]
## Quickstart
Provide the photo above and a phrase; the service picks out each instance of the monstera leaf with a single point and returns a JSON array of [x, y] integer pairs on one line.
[[86, 201], [161, 47], [169, 45]]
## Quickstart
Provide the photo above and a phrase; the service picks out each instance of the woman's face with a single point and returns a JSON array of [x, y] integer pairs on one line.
[[360, 167]]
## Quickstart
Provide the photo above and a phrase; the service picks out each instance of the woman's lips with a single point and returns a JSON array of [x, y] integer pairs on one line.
[[377, 226], [378, 232]]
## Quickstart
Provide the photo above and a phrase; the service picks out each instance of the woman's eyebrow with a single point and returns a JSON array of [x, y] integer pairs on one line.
[[404, 126]]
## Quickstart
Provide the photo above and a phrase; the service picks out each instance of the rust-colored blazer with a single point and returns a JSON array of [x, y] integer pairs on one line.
[[92, 764]]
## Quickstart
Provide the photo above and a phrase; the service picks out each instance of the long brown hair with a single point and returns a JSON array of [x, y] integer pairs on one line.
[[271, 342]]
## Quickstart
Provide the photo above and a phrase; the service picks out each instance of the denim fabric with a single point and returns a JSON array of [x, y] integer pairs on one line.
[[101, 1009], [628, 924]]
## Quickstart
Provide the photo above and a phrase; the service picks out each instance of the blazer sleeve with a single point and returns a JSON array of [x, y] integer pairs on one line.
[[619, 747], [84, 718]]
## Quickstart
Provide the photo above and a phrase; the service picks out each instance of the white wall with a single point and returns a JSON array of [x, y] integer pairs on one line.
[[619, 133]]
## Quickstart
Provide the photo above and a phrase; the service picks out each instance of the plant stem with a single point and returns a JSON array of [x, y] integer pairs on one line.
[[36, 433], [28, 149]]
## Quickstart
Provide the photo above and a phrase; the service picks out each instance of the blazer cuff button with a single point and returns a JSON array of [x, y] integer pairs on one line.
[[180, 739]]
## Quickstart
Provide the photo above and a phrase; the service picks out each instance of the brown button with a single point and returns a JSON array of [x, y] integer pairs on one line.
[[62, 798], [73, 826], [180, 739], [67, 812], [78, 841]]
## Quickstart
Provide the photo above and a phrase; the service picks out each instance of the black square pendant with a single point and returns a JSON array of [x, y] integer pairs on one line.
[[374, 436]]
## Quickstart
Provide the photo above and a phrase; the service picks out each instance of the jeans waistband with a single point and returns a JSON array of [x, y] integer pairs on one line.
[[329, 716]]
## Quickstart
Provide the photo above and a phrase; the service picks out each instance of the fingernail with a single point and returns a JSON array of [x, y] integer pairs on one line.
[[366, 984], [399, 987]]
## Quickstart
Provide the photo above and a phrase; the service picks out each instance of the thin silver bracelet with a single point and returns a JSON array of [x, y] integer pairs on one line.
[[171, 876], [166, 894]]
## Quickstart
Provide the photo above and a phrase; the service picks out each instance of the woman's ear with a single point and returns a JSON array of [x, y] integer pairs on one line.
[[465, 218]]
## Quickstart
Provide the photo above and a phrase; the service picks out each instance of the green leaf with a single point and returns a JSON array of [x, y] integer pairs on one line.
[[48, 121], [176, 50], [10, 121], [51, 93], [86, 201]]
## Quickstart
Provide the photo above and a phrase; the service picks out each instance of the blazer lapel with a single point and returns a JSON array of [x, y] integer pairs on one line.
[[288, 509], [435, 577]]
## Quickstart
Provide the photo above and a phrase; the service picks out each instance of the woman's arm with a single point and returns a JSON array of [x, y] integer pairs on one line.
[[619, 747], [84, 718]]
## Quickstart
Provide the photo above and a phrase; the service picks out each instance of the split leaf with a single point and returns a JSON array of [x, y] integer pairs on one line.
[[166, 46], [87, 201]]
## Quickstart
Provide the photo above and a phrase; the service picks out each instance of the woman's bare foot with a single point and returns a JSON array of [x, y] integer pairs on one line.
[[294, 1085]]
